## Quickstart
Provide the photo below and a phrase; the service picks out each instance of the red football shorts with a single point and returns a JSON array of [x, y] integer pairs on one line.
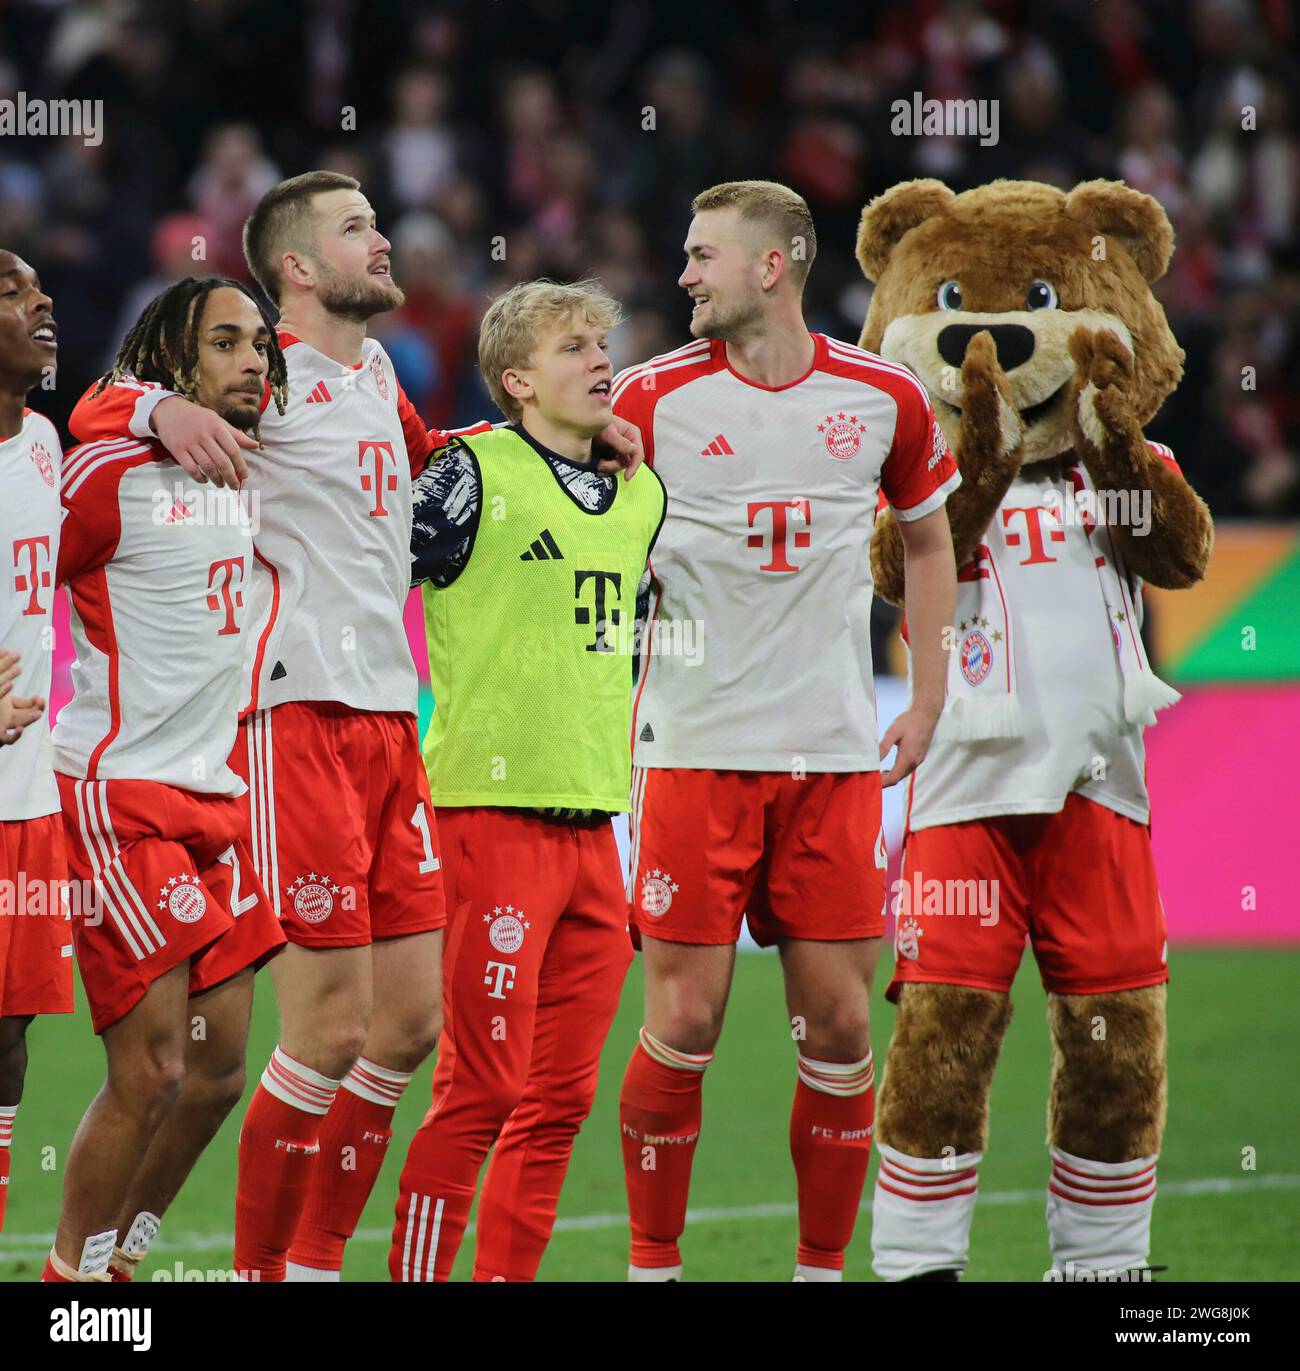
[[173, 879], [1079, 885], [795, 858], [35, 939], [344, 835]]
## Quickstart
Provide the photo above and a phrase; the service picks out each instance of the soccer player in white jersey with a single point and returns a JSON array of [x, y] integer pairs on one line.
[[156, 820], [343, 831], [757, 788], [35, 942]]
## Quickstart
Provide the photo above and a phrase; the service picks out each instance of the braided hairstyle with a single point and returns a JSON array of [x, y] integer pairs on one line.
[[163, 345]]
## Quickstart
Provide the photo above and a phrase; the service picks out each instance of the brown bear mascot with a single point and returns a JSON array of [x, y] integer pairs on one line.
[[1028, 315]]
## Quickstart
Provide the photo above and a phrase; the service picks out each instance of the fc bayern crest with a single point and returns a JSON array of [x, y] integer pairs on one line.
[[843, 435], [976, 657], [381, 381], [43, 462], [506, 928], [906, 938], [183, 898], [657, 891], [313, 897]]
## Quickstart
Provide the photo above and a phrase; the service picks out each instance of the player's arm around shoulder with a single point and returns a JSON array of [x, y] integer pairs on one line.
[[199, 440]]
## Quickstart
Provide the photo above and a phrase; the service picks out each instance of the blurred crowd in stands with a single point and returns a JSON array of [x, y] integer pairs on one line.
[[508, 139]]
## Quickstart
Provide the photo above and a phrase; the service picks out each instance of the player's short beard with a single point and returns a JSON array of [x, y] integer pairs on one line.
[[243, 417], [347, 298], [731, 327]]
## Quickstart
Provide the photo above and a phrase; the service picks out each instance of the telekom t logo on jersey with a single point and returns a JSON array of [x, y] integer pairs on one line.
[[783, 513], [32, 570], [1034, 531], [374, 457], [225, 591]]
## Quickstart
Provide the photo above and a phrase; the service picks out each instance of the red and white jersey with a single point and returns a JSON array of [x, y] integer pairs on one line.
[[29, 546], [1074, 734], [157, 569], [758, 654], [329, 494]]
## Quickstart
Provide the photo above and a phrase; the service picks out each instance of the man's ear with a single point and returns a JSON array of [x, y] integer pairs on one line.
[[889, 216], [1136, 221], [515, 385]]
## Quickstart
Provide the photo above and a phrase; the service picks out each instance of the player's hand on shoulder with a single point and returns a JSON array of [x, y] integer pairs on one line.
[[911, 733], [618, 447], [16, 711], [204, 445]]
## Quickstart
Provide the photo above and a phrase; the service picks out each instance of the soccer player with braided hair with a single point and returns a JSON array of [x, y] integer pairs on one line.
[[156, 821], [162, 347]]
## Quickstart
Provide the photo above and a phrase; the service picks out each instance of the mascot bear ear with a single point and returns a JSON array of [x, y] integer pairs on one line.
[[889, 216], [1134, 220]]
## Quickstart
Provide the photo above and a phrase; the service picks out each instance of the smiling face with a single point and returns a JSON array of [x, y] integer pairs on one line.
[[28, 333], [233, 346], [1018, 266], [568, 377], [349, 262], [723, 275]]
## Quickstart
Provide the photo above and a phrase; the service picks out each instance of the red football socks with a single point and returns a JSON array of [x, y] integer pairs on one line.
[[830, 1143], [659, 1117], [278, 1146], [354, 1140]]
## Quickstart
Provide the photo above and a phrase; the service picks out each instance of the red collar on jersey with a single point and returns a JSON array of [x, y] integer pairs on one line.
[[719, 351]]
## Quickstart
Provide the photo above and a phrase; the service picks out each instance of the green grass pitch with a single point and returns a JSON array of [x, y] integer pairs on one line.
[[1234, 1026]]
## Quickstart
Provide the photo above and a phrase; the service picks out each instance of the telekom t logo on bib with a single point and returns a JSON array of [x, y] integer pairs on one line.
[[32, 570], [374, 457], [783, 514]]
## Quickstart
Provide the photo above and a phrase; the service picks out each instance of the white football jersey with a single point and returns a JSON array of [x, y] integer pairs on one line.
[[29, 544], [329, 494], [758, 653], [1070, 690], [157, 570]]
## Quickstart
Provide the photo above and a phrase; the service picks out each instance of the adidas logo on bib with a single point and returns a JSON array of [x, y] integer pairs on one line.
[[544, 548]]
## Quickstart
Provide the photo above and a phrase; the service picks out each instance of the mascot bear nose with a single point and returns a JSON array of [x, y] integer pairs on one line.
[[1014, 343]]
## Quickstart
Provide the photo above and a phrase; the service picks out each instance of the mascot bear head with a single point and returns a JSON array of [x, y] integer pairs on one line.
[[1030, 264]]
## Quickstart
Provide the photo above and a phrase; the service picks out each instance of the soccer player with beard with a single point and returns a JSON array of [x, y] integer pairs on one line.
[[35, 944], [156, 820], [343, 830], [758, 790]]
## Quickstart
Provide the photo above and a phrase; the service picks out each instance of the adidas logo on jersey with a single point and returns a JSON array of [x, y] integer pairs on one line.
[[544, 548], [320, 395], [719, 447], [179, 513], [647, 734]]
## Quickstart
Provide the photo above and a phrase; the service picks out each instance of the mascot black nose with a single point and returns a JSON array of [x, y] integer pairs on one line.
[[1014, 342]]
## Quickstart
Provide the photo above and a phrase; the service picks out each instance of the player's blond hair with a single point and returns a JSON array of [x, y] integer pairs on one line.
[[782, 212], [516, 321]]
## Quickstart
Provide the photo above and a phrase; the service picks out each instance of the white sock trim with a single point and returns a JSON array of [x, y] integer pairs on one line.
[[7, 1115], [379, 1084], [1101, 1183], [838, 1078], [297, 1085], [670, 1056], [927, 1178], [304, 1275]]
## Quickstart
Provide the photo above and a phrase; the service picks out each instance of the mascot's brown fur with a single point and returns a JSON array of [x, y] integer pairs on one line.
[[1014, 383]]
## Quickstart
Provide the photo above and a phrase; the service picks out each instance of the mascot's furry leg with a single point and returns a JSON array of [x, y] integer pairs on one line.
[[932, 1128], [1105, 1118]]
